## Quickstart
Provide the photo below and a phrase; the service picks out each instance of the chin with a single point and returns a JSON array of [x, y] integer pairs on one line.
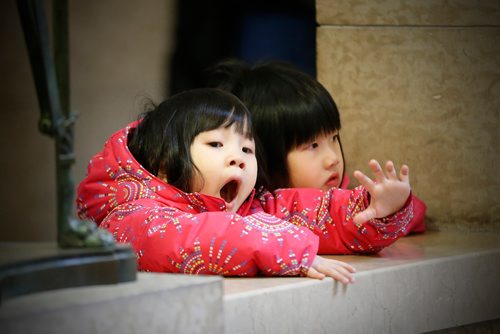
[[326, 187], [235, 208]]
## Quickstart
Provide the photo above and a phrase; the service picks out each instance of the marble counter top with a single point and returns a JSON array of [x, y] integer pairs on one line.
[[421, 283]]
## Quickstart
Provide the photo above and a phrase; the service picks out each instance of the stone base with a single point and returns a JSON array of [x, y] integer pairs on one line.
[[27, 268], [154, 303]]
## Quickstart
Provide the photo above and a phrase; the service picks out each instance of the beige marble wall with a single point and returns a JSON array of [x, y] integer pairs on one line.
[[426, 96], [409, 12]]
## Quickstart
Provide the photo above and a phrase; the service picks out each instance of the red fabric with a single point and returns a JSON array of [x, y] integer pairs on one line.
[[417, 224], [272, 234]]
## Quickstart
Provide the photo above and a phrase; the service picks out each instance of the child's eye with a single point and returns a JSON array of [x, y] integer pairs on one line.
[[313, 145], [335, 138], [247, 150], [308, 146], [215, 144]]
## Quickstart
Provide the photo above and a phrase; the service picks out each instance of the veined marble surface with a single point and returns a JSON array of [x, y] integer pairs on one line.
[[421, 283], [413, 249]]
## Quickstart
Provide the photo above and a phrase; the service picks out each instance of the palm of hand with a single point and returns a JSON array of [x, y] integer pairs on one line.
[[389, 192]]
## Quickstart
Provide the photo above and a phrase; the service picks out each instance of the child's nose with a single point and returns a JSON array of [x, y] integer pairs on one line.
[[330, 159], [236, 160]]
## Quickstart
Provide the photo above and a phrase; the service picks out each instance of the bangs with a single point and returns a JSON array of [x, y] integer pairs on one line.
[[288, 106], [225, 116], [313, 120], [242, 122], [306, 114]]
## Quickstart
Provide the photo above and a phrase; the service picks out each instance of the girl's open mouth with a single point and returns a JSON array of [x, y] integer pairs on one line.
[[332, 180], [229, 191]]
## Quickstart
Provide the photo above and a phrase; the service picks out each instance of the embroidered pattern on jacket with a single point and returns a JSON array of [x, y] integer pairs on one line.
[[219, 260], [317, 219], [294, 268], [270, 225]]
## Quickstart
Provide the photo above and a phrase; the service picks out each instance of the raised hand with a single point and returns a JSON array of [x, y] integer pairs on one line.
[[388, 193], [338, 270]]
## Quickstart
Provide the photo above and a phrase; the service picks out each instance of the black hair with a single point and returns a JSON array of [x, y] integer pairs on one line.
[[161, 142], [289, 108]]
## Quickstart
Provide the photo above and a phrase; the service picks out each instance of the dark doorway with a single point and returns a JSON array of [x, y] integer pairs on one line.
[[209, 31]]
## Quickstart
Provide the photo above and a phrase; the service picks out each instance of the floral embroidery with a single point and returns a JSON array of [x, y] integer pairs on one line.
[[219, 259], [293, 268], [269, 225]]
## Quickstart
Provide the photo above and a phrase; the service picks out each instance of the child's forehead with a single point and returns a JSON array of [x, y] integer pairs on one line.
[[320, 134], [241, 126], [233, 129]]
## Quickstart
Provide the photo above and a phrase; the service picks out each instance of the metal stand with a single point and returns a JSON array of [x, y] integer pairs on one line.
[[84, 254]]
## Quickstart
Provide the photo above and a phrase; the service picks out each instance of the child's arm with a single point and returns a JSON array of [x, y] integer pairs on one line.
[[388, 194], [221, 243], [330, 215]]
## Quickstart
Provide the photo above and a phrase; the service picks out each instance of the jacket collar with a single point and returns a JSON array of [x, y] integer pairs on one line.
[[204, 203]]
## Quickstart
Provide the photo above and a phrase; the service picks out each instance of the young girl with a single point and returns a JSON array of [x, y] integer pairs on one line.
[[179, 186], [298, 124]]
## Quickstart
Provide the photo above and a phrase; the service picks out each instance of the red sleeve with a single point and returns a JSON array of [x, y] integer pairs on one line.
[[220, 243], [417, 224], [330, 216]]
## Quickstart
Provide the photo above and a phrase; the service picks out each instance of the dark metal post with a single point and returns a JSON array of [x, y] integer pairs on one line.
[[92, 257], [64, 144], [51, 75]]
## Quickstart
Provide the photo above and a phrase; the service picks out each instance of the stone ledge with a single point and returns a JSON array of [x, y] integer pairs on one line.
[[421, 283], [155, 303]]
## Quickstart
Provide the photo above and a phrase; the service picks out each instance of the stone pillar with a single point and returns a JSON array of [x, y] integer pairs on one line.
[[418, 82]]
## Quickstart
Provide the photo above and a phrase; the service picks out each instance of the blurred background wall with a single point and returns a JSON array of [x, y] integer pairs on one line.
[[419, 82], [120, 52]]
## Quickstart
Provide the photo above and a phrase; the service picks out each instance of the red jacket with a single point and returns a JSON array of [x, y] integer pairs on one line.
[[276, 233]]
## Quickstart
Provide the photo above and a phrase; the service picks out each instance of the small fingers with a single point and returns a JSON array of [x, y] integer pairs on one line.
[[404, 174], [340, 274], [338, 270], [313, 273], [377, 170], [364, 180], [390, 170], [346, 272], [347, 266]]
